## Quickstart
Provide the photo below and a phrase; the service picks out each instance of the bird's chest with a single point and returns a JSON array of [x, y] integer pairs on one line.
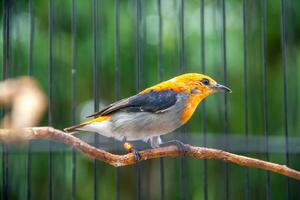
[[189, 107]]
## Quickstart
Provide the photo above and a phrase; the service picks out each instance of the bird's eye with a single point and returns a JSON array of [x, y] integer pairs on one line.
[[205, 81]]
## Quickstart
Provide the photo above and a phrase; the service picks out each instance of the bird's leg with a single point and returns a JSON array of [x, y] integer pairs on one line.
[[182, 148], [155, 142], [130, 149]]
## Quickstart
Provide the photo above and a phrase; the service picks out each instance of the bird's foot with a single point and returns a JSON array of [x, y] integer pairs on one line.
[[136, 153], [182, 148]]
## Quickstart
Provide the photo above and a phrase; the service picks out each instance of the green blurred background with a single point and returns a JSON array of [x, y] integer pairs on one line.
[[183, 178]]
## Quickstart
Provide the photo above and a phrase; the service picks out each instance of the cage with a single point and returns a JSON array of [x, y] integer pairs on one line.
[[87, 54]]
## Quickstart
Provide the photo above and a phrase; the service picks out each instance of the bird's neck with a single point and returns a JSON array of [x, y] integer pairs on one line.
[[190, 106]]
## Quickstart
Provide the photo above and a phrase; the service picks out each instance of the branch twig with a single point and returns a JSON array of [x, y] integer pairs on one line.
[[128, 159]]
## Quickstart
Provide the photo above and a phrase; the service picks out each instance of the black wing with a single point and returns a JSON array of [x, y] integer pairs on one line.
[[151, 101]]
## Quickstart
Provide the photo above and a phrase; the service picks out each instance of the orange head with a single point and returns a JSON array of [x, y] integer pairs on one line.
[[198, 84], [194, 84]]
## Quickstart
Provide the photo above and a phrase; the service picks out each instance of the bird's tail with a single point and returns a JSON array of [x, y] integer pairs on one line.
[[77, 127]]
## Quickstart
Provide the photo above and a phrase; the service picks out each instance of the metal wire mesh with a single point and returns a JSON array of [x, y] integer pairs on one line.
[[105, 58]]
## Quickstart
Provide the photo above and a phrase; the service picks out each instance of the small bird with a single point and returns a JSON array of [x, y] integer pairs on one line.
[[153, 112]]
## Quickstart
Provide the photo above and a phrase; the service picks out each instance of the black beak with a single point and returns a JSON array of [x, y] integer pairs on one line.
[[221, 88]]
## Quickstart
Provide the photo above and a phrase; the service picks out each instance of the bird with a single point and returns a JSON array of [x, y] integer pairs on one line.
[[153, 112]]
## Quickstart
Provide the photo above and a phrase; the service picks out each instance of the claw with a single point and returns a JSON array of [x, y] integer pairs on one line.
[[182, 148], [129, 148], [137, 155]]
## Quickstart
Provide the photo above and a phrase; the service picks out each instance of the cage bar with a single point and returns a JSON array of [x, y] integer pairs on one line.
[[183, 162], [74, 89], [50, 95], [284, 89], [203, 114], [265, 97], [160, 75], [5, 73], [246, 115], [30, 69], [138, 68], [117, 79], [95, 87], [224, 59]]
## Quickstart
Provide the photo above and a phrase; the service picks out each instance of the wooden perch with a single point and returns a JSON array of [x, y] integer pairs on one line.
[[50, 133]]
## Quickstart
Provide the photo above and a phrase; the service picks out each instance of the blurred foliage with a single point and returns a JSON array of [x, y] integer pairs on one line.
[[192, 169]]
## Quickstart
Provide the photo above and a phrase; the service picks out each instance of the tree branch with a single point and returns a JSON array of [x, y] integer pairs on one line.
[[26, 134]]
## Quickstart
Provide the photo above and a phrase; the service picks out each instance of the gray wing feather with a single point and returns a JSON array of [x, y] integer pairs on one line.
[[153, 101], [112, 107]]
